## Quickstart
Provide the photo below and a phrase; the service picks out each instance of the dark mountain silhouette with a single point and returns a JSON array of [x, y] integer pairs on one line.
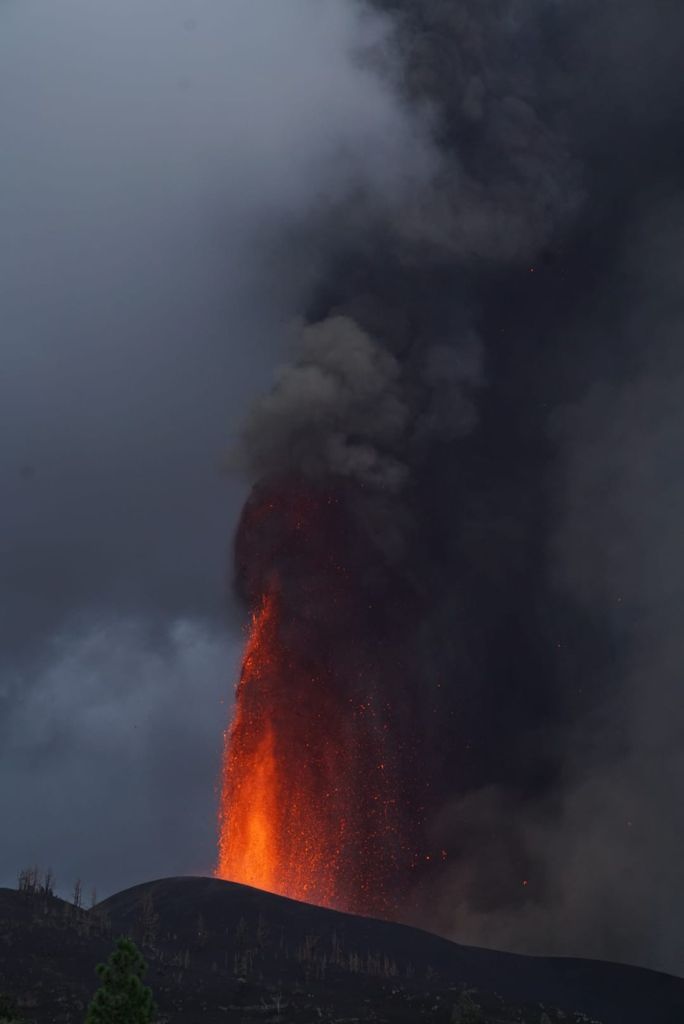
[[222, 952]]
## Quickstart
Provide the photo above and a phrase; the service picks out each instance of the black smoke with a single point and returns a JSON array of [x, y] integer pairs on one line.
[[489, 369]]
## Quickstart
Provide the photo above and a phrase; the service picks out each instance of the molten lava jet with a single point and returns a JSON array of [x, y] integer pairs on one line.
[[310, 789]]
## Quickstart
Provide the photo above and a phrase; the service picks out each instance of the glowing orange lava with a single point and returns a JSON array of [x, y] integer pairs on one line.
[[307, 808]]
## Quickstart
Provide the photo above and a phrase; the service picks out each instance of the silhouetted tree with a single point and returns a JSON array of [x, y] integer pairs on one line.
[[78, 894], [48, 887], [8, 1011], [122, 998], [148, 921], [467, 1011], [28, 880]]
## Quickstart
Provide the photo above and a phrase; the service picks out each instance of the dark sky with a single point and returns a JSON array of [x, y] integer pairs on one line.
[[180, 180]]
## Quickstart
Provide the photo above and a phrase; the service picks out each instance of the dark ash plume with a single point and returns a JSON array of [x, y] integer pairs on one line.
[[446, 341]]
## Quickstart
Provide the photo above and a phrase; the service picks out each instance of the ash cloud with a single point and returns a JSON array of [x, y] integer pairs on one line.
[[619, 553], [508, 181], [347, 407], [526, 294], [338, 409], [597, 843]]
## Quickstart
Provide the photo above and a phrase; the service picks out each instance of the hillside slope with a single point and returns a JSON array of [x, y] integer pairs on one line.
[[224, 952]]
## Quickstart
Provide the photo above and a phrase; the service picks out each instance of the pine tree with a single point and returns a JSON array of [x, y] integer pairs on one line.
[[122, 998], [8, 1011], [466, 1011]]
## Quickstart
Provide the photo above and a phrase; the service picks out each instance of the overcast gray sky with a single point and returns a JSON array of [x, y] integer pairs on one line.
[[154, 153]]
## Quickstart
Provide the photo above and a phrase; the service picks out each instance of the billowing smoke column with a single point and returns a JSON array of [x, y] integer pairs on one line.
[[374, 532], [412, 673]]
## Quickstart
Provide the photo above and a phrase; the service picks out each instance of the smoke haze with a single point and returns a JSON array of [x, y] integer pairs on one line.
[[523, 484], [457, 229], [157, 159]]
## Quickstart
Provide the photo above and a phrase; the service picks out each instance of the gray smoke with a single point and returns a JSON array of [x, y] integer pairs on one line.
[[338, 409], [155, 155], [507, 180], [592, 866], [476, 209], [519, 409], [619, 551], [344, 407]]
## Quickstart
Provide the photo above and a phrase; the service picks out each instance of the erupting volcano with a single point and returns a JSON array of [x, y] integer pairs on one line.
[[311, 791]]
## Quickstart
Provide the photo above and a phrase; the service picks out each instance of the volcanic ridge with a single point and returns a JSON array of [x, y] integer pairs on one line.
[[221, 952]]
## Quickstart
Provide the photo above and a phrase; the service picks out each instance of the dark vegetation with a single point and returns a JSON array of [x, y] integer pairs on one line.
[[9, 1014], [218, 952], [122, 998]]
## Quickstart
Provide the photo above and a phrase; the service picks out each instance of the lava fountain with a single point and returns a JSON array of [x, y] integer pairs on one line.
[[311, 790]]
